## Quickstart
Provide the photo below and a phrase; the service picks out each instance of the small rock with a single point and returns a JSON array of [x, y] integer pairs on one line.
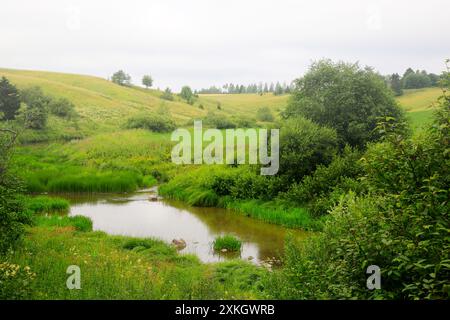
[[224, 250], [250, 258]]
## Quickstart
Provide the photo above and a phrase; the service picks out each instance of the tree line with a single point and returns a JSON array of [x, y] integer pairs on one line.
[[258, 88], [412, 80]]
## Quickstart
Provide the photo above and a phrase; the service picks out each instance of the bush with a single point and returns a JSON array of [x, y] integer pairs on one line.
[[35, 112], [13, 216], [62, 108], [15, 281], [227, 242], [264, 114], [323, 188], [303, 146], [153, 122], [167, 95], [218, 121]]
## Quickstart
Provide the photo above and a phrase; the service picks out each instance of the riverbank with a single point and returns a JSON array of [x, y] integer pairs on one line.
[[116, 267]]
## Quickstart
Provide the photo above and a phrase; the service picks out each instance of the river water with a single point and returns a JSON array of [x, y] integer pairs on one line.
[[137, 216]]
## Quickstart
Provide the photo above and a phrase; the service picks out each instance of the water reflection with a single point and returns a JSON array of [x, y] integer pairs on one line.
[[134, 215]]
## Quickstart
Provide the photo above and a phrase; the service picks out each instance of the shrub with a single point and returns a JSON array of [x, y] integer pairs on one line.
[[62, 108], [167, 95], [35, 112], [218, 121], [264, 114], [227, 242], [303, 146], [13, 216], [153, 122], [15, 281], [323, 188]]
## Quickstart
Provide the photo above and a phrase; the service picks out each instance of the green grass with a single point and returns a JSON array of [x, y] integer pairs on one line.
[[44, 204], [418, 103], [79, 223], [228, 243], [114, 267], [273, 212]]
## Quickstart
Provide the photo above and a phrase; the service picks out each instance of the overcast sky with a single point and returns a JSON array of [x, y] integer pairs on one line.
[[211, 42]]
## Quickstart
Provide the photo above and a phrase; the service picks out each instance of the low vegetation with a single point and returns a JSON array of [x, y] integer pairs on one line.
[[227, 243]]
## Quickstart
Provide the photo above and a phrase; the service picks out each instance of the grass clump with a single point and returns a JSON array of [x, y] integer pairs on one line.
[[44, 204], [79, 223], [228, 242]]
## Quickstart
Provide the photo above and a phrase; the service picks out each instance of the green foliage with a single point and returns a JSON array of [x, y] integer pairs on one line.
[[228, 242], [15, 281], [34, 113], [151, 121], [121, 78], [79, 223], [416, 80], [264, 114], [323, 188], [44, 204], [303, 146], [218, 121], [147, 81], [63, 108], [396, 84], [401, 226], [167, 95], [9, 100], [187, 94], [13, 216], [345, 97]]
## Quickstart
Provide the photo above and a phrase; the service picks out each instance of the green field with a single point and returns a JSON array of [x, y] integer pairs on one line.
[[418, 103]]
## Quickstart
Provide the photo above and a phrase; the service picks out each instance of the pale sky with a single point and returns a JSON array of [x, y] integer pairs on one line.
[[211, 42]]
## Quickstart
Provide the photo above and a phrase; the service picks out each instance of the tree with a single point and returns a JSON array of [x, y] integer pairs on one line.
[[396, 84], [121, 78], [345, 97], [35, 113], [167, 94], [416, 80], [147, 81], [9, 100], [278, 89], [186, 94]]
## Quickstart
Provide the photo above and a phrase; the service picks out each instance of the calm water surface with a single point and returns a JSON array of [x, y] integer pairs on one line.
[[135, 215]]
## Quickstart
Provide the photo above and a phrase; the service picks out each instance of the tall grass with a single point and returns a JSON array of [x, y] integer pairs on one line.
[[80, 223], [227, 242], [44, 204], [114, 267]]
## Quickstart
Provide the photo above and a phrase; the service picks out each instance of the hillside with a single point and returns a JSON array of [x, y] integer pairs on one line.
[[104, 106], [419, 104]]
